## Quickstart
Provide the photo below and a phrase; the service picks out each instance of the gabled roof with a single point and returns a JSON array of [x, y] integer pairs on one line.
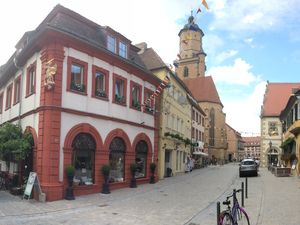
[[252, 139], [75, 26], [289, 105], [203, 89], [150, 58], [233, 130], [276, 98]]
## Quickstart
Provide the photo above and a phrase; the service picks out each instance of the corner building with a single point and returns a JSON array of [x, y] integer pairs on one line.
[[78, 87], [190, 67]]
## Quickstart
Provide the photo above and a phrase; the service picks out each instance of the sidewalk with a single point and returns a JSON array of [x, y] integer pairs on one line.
[[184, 199], [273, 200]]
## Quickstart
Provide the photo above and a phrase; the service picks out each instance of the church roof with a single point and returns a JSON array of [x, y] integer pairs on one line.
[[276, 98], [191, 25], [203, 89]]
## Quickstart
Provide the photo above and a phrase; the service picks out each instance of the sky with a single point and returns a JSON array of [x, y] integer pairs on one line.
[[247, 42]]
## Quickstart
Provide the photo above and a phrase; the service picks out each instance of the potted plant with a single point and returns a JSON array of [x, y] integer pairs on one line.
[[152, 169], [70, 171], [105, 171], [133, 169]]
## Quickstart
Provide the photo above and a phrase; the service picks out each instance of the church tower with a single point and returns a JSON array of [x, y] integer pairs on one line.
[[191, 57], [190, 68]]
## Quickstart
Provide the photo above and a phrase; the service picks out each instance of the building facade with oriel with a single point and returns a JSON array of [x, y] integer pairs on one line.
[[275, 98], [79, 88], [291, 129]]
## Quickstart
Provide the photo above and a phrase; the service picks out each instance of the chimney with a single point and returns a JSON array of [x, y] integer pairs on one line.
[[142, 46]]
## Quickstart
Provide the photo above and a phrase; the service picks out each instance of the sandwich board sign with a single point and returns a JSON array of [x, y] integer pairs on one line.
[[32, 181]]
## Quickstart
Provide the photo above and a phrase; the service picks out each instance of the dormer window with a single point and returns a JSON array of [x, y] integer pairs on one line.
[[111, 44], [122, 49]]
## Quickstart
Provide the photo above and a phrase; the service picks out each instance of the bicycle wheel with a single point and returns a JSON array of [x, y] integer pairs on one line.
[[242, 217], [225, 219]]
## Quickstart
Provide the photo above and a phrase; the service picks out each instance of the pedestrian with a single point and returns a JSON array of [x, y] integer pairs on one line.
[[192, 164], [187, 164]]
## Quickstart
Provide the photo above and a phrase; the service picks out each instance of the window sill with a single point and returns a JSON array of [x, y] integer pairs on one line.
[[100, 98], [77, 92], [121, 104], [16, 103], [29, 94], [134, 108]]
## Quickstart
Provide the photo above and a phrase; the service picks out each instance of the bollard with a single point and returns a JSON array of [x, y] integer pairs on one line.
[[242, 194], [218, 212], [246, 188]]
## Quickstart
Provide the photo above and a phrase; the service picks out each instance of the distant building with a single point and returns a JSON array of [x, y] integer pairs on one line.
[[235, 149], [252, 147], [190, 67], [275, 99]]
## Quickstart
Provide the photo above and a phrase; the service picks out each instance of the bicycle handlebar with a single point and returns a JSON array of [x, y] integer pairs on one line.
[[236, 191]]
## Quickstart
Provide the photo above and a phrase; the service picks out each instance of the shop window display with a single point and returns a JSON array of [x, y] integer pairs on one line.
[[84, 159], [141, 159], [117, 150]]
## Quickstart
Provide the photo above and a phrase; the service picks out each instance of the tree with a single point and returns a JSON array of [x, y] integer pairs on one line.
[[14, 145]]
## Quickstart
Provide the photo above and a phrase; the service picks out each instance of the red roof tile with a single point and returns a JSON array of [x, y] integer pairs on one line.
[[276, 98], [203, 89]]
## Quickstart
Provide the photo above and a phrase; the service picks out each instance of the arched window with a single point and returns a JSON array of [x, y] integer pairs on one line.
[[141, 150], [84, 158], [186, 71], [212, 127], [117, 151]]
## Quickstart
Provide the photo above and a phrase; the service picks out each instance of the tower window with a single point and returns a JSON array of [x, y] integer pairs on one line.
[[186, 72]]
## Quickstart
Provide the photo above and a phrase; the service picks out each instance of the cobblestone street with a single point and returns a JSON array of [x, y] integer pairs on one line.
[[184, 199]]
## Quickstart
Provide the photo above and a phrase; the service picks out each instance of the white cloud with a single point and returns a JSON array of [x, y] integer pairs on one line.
[[225, 55], [211, 44], [243, 114], [238, 73], [251, 18], [253, 14]]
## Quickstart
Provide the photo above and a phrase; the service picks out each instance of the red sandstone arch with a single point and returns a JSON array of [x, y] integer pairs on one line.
[[83, 128], [31, 130], [117, 133], [142, 137]]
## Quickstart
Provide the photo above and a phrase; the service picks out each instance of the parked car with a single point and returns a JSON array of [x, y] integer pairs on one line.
[[248, 167]]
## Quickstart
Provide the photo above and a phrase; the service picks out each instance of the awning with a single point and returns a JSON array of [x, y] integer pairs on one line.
[[200, 153]]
